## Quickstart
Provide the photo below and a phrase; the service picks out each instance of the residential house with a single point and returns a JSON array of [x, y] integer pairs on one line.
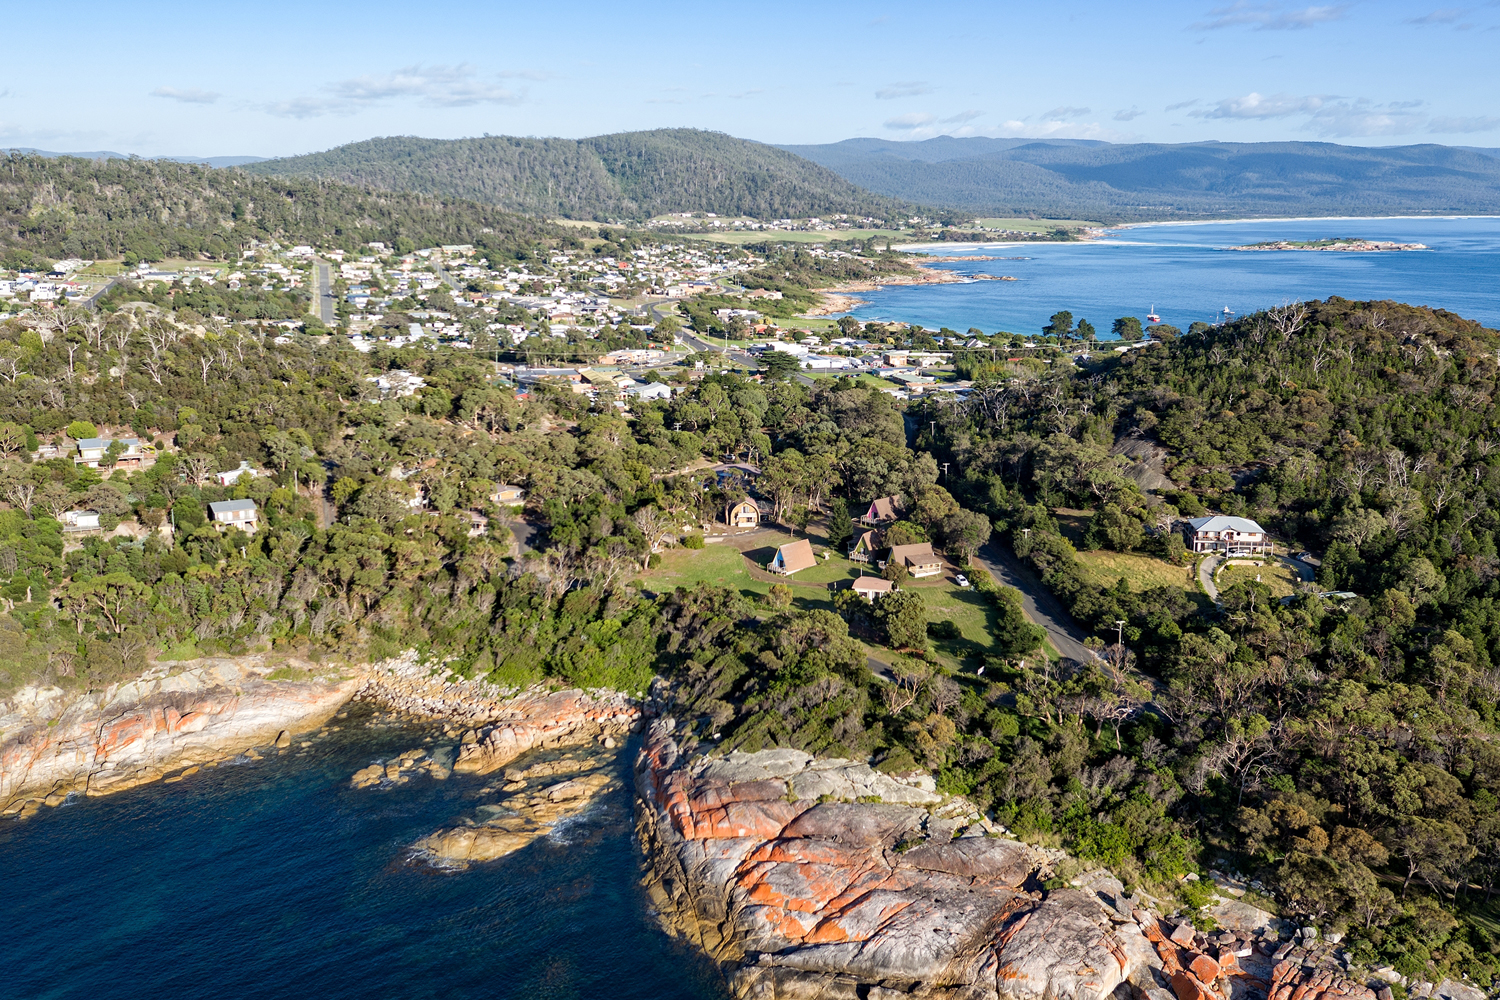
[[508, 496], [91, 451], [883, 511], [864, 545], [650, 391], [233, 475], [1234, 536], [233, 514], [918, 558], [792, 557], [742, 514], [80, 520], [871, 588]]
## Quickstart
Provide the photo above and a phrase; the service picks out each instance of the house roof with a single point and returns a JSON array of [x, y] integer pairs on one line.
[[104, 442], [874, 585], [797, 555], [869, 538], [227, 506], [917, 554], [887, 508], [1223, 522]]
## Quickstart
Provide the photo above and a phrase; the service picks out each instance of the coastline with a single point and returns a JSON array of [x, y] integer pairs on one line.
[[182, 717], [844, 298]]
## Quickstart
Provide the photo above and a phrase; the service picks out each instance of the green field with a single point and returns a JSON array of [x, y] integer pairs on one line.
[[719, 564], [1278, 576], [1141, 572]]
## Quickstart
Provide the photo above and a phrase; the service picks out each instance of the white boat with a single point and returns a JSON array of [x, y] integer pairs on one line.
[[1151, 316], [1227, 312]]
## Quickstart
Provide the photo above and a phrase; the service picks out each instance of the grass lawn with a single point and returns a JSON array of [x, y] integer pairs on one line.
[[1105, 568], [720, 564], [1035, 225], [973, 615], [1278, 576]]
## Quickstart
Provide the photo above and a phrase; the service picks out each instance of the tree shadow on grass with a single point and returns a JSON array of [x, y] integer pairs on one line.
[[970, 652]]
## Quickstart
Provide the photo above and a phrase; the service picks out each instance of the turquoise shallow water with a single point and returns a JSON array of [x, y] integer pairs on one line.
[[1185, 272], [275, 879]]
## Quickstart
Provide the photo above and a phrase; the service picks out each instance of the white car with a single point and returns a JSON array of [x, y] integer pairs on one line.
[[960, 579]]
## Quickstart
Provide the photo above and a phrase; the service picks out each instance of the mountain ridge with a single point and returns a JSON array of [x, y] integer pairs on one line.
[[1146, 181], [626, 175]]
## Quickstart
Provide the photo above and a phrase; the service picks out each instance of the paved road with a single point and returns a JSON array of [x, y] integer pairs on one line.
[[1041, 606], [1206, 576], [322, 292]]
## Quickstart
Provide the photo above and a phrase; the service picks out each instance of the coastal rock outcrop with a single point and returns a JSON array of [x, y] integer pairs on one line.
[[174, 715], [540, 797], [505, 723], [811, 897]]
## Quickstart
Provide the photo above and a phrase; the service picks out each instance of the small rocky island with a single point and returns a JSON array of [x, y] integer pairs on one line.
[[1343, 245]]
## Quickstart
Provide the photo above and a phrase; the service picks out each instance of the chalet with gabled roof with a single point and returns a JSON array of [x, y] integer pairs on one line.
[[793, 557], [864, 545], [883, 511]]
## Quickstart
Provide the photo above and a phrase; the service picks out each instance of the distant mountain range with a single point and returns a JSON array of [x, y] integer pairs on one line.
[[629, 175], [637, 175], [1142, 181], [105, 154]]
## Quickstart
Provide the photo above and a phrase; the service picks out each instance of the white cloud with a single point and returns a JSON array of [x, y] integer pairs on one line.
[[1331, 116], [434, 87], [905, 88], [1443, 15], [917, 119], [1364, 118], [1256, 106], [1181, 104], [187, 95], [1269, 16], [962, 116], [1464, 125], [1066, 112], [1127, 115]]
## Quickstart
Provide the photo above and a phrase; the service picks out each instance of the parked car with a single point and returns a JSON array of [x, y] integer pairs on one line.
[[961, 580]]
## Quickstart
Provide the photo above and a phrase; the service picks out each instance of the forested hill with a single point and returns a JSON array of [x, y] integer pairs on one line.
[[64, 206], [1165, 181], [629, 175]]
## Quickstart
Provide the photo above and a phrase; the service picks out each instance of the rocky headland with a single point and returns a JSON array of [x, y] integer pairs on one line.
[[809, 878], [175, 716]]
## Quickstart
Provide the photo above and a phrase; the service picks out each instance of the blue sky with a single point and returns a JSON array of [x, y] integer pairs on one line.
[[276, 78]]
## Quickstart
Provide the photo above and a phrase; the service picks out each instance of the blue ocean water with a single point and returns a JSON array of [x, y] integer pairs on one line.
[[276, 879], [1188, 275]]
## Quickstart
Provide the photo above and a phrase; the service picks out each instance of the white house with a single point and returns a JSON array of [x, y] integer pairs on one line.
[[234, 514], [80, 520], [872, 588], [651, 390], [1235, 536], [232, 476]]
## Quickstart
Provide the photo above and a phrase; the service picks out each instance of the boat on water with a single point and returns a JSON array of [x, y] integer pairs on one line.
[[1227, 312], [1151, 316]]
